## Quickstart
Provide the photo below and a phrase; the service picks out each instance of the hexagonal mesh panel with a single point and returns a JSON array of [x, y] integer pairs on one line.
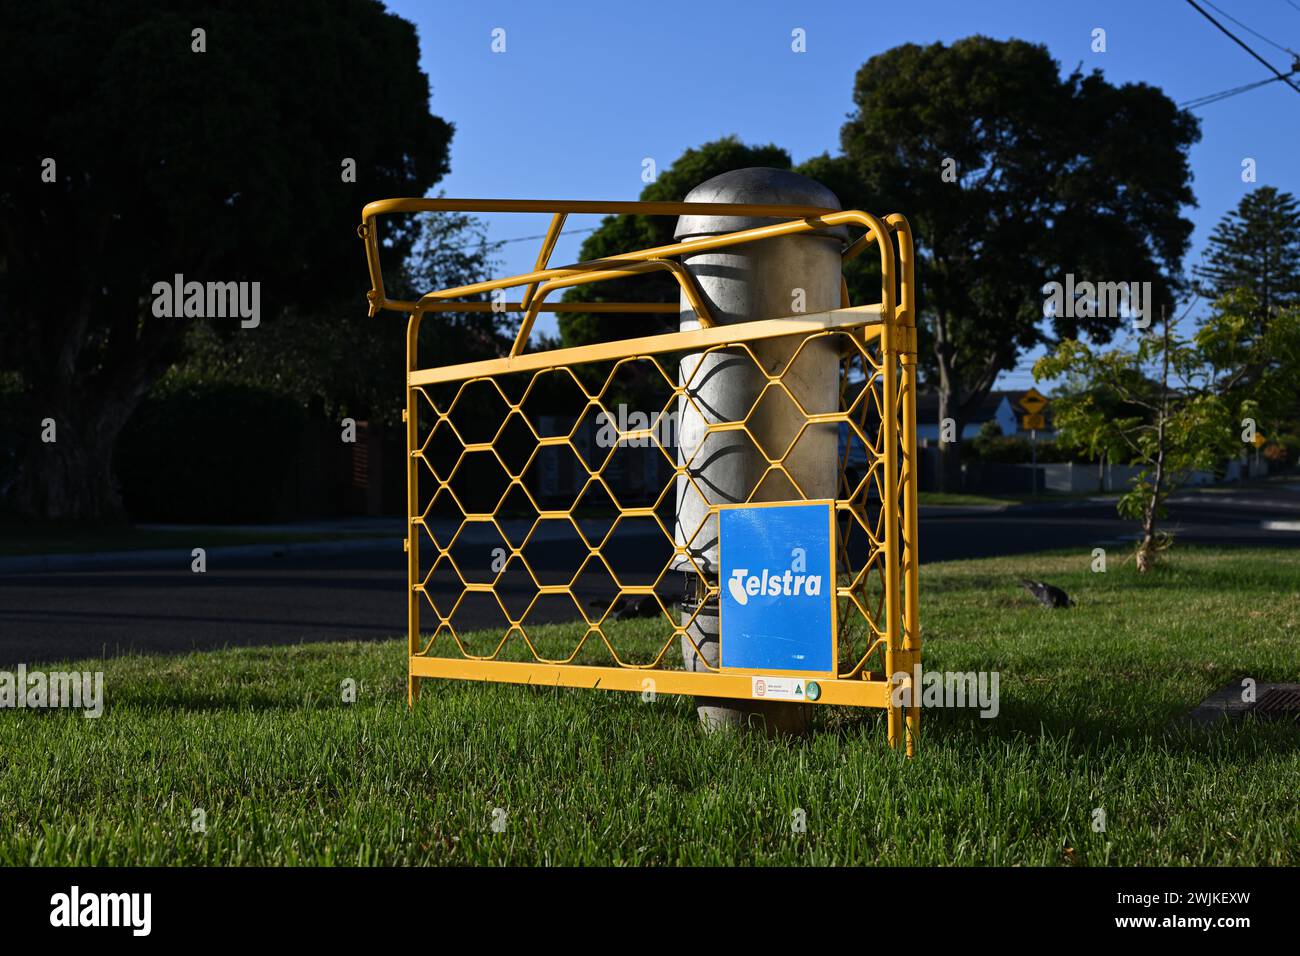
[[554, 496]]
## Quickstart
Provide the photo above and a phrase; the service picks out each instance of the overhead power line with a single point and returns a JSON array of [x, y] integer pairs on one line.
[[1241, 43], [1225, 13], [502, 242], [567, 232], [1224, 94]]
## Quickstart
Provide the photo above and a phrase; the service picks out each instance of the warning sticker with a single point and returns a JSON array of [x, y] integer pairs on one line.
[[779, 688]]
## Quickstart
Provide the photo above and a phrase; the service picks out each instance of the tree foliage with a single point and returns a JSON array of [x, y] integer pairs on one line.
[[1173, 405], [221, 165], [624, 233], [1253, 263], [1045, 175], [1256, 248], [346, 363]]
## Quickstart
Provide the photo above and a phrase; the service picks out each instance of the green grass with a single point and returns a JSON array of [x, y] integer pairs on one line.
[[947, 498], [1090, 701]]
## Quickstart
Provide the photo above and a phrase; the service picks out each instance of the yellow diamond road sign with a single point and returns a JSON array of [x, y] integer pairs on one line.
[[1033, 401]]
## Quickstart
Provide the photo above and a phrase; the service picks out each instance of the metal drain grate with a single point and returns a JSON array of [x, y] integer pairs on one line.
[[1278, 703]]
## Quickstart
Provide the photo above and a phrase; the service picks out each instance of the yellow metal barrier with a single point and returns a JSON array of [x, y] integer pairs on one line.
[[489, 439]]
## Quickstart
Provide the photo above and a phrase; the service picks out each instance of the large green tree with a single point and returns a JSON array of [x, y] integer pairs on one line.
[[218, 155], [1012, 176]]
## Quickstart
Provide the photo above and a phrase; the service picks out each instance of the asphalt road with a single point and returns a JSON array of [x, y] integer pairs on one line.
[[359, 596]]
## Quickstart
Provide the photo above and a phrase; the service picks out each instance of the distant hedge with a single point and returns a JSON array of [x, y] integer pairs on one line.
[[211, 451], [12, 432], [1013, 449]]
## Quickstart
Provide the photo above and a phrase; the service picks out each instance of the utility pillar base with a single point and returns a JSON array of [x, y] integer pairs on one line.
[[773, 717]]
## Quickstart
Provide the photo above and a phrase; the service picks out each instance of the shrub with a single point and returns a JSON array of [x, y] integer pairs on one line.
[[210, 451]]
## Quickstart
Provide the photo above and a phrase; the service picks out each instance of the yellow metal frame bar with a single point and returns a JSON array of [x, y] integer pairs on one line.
[[866, 317], [853, 693], [891, 324], [583, 278]]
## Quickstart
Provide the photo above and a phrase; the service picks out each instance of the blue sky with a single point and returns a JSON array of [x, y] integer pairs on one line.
[[586, 91]]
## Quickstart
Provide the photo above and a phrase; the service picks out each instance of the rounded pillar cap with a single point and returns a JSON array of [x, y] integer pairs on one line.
[[756, 184]]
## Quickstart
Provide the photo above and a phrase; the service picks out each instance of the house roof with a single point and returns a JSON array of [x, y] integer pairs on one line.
[[927, 406]]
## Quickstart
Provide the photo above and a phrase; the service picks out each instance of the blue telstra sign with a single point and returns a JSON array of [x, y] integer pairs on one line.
[[777, 578]]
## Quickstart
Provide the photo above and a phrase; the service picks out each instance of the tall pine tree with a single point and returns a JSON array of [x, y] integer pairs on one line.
[[1256, 248]]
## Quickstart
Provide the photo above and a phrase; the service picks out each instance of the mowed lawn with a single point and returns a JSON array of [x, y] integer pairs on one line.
[[286, 773]]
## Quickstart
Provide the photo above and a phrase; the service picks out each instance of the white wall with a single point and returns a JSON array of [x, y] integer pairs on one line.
[[1072, 477]]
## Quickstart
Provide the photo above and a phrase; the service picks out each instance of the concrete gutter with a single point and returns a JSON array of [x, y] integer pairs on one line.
[[180, 558], [477, 533]]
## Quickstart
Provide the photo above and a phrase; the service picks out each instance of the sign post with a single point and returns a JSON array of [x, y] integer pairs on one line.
[[1033, 402]]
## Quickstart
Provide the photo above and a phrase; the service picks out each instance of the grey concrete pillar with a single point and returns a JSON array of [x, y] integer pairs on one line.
[[763, 280]]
